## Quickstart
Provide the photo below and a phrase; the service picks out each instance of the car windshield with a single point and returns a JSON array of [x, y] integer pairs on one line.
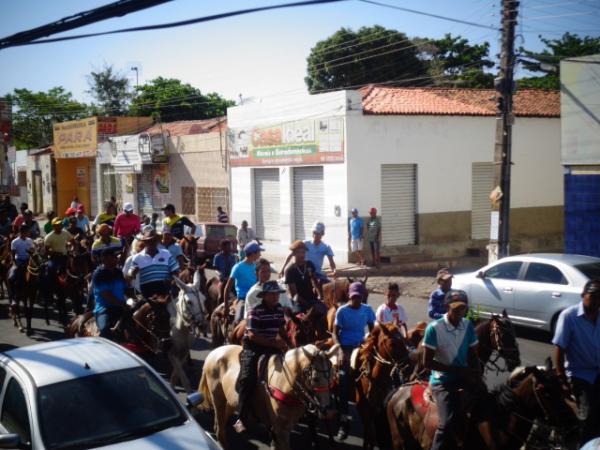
[[106, 408], [219, 232], [590, 270]]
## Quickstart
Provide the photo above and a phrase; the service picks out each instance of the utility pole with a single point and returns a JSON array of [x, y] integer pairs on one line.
[[505, 87]]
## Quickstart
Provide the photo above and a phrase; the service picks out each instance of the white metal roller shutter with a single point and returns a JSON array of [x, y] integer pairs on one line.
[[308, 200], [266, 204], [481, 185], [149, 200], [398, 204]]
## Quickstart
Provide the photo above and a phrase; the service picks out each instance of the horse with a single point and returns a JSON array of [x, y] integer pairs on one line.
[[190, 318], [26, 294], [74, 281], [5, 264], [296, 382], [189, 246], [309, 328], [538, 396], [376, 363]]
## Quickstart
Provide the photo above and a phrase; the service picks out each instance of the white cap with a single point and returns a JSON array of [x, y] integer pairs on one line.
[[318, 227], [128, 207]]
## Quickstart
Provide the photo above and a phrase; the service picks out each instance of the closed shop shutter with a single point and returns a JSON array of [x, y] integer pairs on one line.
[[308, 200], [398, 204], [266, 204], [481, 185], [111, 184], [149, 199]]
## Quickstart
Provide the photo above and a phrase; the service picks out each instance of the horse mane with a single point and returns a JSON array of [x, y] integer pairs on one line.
[[370, 343]]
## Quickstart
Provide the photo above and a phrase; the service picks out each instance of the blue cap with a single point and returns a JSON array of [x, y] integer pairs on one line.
[[354, 211], [252, 247]]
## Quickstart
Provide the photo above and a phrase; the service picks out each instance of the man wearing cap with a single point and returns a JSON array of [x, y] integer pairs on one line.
[[436, 308], [56, 243], [245, 235], [82, 220], [176, 223], [155, 267], [107, 216], [351, 320], [108, 287], [223, 262], [243, 276], [374, 235], [356, 236], [169, 243], [301, 279], [127, 224], [104, 241], [450, 346], [265, 335], [19, 248], [70, 212], [577, 357]]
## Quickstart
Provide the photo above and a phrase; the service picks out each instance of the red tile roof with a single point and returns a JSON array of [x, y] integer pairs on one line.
[[455, 101], [185, 127]]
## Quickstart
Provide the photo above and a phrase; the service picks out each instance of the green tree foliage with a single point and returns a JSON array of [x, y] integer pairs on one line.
[[111, 91], [35, 112], [369, 55], [169, 99], [452, 61], [548, 60]]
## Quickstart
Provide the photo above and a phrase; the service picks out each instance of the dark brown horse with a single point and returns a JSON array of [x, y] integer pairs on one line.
[[309, 327], [27, 292], [74, 281], [5, 264]]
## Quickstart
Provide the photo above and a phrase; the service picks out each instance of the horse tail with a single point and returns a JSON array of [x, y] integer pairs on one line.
[[206, 404]]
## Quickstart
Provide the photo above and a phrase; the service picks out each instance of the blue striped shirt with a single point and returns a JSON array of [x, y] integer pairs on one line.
[[155, 268]]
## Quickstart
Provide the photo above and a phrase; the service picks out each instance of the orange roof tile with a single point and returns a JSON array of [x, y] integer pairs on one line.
[[455, 101], [185, 127]]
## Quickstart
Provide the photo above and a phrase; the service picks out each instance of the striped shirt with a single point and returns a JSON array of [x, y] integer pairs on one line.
[[155, 268], [222, 217], [265, 322]]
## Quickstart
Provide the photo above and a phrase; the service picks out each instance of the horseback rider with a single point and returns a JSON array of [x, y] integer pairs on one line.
[[106, 217], [349, 331], [105, 240], [243, 275], [127, 224], [450, 346], [223, 262], [577, 357], [169, 243], [176, 223], [20, 250], [390, 311], [303, 283], [108, 287], [263, 274], [56, 248], [265, 335], [437, 307]]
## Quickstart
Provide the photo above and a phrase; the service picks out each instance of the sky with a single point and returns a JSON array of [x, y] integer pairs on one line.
[[255, 55]]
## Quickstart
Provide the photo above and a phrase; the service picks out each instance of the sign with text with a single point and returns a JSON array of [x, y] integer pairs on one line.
[[76, 138], [308, 141]]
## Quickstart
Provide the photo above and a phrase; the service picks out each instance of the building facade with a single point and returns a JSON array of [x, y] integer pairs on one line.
[[41, 180]]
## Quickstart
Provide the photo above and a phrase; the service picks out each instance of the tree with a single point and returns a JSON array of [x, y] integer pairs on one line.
[[451, 60], [35, 112], [548, 60], [370, 55], [111, 91], [169, 99]]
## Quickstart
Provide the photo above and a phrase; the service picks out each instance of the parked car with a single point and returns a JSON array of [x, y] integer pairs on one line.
[[533, 288], [90, 393], [209, 243]]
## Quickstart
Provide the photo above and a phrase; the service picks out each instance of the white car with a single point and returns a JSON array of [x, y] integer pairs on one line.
[[533, 289], [90, 393]]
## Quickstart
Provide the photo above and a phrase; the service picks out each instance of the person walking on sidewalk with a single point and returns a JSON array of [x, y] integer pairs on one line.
[[374, 236], [356, 237]]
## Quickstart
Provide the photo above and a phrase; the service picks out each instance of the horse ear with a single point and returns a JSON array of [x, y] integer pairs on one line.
[[334, 354], [364, 281], [309, 351], [180, 284], [504, 314], [197, 280]]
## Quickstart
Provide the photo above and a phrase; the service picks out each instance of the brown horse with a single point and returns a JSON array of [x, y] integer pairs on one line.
[[376, 362], [309, 327], [335, 294], [538, 396], [189, 246], [75, 279], [5, 264], [27, 293]]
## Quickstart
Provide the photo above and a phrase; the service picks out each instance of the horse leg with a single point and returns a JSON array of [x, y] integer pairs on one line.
[[313, 428], [222, 414], [178, 372], [281, 439], [29, 301]]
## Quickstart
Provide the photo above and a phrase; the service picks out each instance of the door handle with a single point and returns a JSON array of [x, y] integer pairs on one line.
[[556, 295], [508, 290]]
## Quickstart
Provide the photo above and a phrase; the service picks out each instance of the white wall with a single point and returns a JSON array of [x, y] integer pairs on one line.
[[44, 164]]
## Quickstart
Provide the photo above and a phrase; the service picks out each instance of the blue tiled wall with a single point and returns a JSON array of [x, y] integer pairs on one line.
[[582, 214]]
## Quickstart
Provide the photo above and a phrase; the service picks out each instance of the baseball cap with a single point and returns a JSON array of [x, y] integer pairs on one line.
[[252, 247], [70, 211], [297, 245], [56, 221], [373, 211], [456, 296], [319, 228], [270, 286], [444, 274], [357, 288], [80, 208], [354, 211], [169, 206], [128, 207], [592, 287]]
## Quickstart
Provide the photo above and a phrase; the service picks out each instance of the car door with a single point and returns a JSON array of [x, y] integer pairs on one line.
[[543, 291], [14, 412], [494, 291]]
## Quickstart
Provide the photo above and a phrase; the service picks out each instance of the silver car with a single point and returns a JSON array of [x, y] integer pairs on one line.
[[90, 393], [533, 288]]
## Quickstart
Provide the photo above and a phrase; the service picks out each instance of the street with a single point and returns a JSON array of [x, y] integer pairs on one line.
[[533, 345]]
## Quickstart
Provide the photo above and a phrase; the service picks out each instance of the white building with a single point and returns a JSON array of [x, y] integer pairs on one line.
[[421, 156]]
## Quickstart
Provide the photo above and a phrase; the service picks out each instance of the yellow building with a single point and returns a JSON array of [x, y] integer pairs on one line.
[[75, 149]]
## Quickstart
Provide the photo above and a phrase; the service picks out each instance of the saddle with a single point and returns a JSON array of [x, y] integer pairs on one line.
[[424, 405]]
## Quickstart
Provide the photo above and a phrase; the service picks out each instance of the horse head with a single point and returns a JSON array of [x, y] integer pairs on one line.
[[504, 340], [391, 345], [318, 376], [191, 305]]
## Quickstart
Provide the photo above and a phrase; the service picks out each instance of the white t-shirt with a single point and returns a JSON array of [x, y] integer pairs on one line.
[[385, 314], [21, 248]]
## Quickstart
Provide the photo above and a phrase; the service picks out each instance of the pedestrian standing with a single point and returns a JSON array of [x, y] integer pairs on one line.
[[436, 308], [245, 235], [356, 236], [374, 236], [222, 216], [577, 357]]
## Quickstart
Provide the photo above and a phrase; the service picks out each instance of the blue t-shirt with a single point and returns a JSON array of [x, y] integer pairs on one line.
[[174, 249], [316, 253], [356, 228], [224, 264], [244, 275], [107, 280], [353, 322], [83, 223]]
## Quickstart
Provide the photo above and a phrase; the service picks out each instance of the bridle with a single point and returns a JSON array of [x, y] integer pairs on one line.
[[191, 320], [499, 351]]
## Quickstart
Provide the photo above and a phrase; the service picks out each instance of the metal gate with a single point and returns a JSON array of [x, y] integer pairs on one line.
[[148, 197], [266, 204], [308, 200], [482, 181], [111, 185], [398, 204]]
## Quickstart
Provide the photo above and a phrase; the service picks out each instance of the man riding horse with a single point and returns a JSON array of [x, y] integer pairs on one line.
[[243, 275], [56, 249], [108, 287]]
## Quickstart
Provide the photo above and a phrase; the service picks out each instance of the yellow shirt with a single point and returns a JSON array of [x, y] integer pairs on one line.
[[58, 242]]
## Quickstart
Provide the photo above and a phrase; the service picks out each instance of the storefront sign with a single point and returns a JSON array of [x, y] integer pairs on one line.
[[311, 141], [76, 138], [161, 178]]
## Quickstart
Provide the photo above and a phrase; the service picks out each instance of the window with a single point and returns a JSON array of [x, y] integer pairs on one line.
[[544, 273], [590, 270], [15, 417], [505, 271]]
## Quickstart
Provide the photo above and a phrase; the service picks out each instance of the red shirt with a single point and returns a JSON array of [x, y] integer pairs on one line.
[[127, 225]]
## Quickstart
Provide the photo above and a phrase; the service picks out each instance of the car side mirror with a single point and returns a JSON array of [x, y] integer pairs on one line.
[[194, 399], [481, 275], [10, 440]]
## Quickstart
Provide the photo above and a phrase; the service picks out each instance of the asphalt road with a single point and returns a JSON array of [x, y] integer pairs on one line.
[[534, 348]]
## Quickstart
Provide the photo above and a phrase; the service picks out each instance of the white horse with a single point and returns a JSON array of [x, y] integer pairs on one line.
[[188, 318]]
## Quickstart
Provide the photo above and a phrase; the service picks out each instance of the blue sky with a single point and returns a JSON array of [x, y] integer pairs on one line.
[[259, 54]]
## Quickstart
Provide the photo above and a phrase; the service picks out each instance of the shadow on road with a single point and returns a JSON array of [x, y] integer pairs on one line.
[[533, 334]]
